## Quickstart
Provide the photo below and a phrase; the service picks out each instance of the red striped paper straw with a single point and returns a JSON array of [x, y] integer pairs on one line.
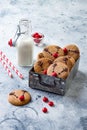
[[6, 68], [11, 65]]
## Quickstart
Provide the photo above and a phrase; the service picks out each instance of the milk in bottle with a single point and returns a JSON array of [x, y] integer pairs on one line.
[[25, 44]]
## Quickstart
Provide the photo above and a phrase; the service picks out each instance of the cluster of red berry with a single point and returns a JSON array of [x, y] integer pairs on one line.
[[37, 37], [50, 103]]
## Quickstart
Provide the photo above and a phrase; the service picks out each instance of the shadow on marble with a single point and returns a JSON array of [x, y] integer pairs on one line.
[[83, 121], [78, 83], [78, 90]]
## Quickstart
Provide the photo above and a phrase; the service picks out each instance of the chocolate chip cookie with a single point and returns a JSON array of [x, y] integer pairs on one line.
[[59, 70], [71, 59], [41, 65], [40, 55], [19, 97], [53, 51], [73, 51], [64, 60]]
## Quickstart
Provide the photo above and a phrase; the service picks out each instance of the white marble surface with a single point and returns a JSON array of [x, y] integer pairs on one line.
[[62, 22]]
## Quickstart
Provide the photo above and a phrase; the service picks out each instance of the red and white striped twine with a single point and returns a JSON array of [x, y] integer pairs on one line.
[[6, 68], [10, 64]]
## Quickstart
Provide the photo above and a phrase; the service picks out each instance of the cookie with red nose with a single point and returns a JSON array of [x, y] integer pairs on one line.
[[72, 50], [53, 51], [59, 70], [19, 97], [41, 65]]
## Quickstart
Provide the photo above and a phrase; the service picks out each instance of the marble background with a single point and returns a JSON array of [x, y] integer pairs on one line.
[[62, 22]]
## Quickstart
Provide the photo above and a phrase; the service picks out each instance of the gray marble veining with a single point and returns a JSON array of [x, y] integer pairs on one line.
[[62, 22]]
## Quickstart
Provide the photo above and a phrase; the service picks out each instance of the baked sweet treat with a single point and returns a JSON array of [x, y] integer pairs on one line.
[[72, 50], [71, 59], [41, 65], [19, 97], [40, 55], [53, 51], [59, 70], [64, 60]]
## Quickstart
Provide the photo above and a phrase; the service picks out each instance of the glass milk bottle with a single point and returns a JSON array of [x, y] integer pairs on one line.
[[25, 44]]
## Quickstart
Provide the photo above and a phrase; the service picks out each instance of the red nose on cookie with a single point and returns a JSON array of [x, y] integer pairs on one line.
[[21, 98], [55, 55], [45, 72], [54, 74], [65, 51]]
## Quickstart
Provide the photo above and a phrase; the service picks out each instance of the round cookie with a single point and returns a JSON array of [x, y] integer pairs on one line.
[[64, 60], [41, 65], [59, 70], [71, 59], [19, 97], [53, 51], [73, 51], [40, 55]]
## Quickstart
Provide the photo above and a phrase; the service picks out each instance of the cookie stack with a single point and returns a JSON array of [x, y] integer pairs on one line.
[[55, 61]]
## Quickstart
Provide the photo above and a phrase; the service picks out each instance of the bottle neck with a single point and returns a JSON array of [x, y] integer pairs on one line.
[[25, 27]]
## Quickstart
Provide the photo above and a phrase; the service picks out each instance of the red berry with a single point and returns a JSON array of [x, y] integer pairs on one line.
[[44, 110], [45, 99], [10, 42], [35, 34], [65, 51], [21, 98], [55, 55], [54, 74], [45, 72], [51, 103]]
